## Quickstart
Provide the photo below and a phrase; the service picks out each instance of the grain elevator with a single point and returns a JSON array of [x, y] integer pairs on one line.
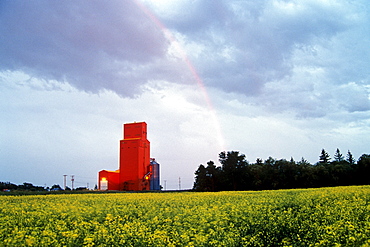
[[137, 171]]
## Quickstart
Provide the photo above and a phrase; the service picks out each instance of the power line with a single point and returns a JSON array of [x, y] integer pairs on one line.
[[86, 177]]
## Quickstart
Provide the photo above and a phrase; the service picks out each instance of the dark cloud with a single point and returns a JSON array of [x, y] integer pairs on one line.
[[197, 17], [91, 44], [239, 47]]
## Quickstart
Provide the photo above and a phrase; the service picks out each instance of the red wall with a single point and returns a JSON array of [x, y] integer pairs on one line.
[[134, 161], [112, 178], [134, 157]]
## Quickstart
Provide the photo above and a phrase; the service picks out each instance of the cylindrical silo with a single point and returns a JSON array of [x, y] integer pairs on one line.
[[154, 179]]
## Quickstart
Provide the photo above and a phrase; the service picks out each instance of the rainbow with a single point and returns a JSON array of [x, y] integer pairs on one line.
[[168, 34]]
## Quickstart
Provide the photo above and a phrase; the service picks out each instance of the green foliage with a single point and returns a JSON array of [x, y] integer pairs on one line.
[[350, 158], [23, 187], [207, 178], [7, 186], [234, 170], [235, 173], [306, 217], [338, 156], [324, 158], [363, 169]]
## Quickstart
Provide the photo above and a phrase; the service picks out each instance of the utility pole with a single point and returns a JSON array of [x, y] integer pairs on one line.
[[179, 183], [165, 184], [65, 182], [73, 180]]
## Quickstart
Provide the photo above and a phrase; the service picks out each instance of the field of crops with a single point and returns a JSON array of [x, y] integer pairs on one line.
[[312, 217]]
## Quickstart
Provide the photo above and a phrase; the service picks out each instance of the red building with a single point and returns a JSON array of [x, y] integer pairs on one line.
[[136, 170]]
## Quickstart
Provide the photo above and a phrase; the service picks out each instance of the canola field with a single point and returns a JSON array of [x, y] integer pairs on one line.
[[307, 217]]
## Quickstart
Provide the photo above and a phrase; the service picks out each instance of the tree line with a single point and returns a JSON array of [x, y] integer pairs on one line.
[[236, 173], [4, 186], [7, 186]]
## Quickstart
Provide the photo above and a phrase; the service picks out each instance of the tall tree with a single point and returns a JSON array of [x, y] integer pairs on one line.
[[324, 157], [234, 167], [363, 169], [350, 158], [200, 183], [338, 156], [213, 176]]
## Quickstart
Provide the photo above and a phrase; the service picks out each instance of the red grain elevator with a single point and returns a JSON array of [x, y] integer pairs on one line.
[[134, 158], [136, 170]]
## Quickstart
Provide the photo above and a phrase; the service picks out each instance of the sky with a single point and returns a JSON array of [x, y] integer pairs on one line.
[[279, 78]]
